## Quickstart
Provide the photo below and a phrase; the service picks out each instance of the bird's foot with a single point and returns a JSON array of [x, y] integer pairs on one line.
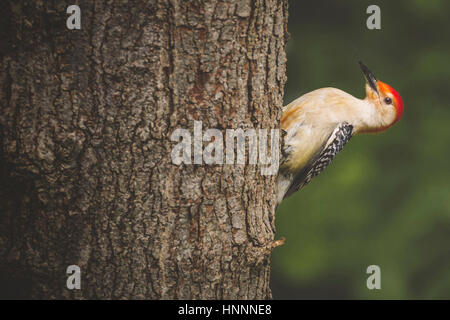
[[276, 243]]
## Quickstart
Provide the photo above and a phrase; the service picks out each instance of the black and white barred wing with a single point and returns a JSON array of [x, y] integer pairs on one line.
[[337, 140]]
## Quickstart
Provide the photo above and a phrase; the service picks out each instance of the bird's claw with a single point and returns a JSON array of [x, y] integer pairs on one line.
[[276, 243]]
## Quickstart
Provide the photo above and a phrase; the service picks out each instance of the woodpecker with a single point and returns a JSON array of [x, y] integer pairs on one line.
[[317, 125]]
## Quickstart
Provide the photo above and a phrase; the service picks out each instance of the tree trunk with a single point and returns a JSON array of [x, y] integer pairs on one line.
[[87, 177]]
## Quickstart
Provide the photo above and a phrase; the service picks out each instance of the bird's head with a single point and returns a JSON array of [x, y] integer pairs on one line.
[[388, 102]]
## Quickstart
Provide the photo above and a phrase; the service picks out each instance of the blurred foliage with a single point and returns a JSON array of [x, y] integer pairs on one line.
[[385, 199]]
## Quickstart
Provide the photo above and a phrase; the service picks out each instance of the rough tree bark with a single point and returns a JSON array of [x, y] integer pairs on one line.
[[86, 170]]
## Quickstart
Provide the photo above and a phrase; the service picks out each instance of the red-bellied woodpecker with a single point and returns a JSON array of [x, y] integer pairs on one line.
[[318, 125]]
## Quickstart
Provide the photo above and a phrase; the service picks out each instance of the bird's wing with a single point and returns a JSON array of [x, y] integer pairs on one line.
[[338, 138]]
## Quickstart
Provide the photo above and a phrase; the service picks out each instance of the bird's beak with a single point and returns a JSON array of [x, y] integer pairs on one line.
[[370, 77]]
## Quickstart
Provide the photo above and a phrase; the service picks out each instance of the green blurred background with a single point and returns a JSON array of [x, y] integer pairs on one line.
[[385, 199]]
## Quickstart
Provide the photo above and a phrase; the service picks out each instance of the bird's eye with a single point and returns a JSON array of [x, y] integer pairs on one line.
[[387, 100]]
